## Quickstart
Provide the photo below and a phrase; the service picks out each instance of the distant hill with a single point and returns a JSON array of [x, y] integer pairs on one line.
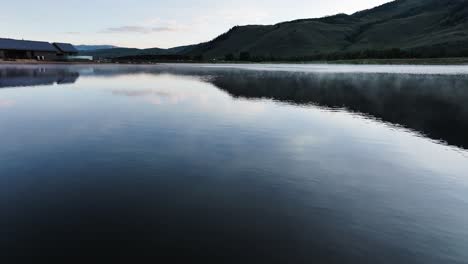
[[93, 47], [399, 29], [125, 52]]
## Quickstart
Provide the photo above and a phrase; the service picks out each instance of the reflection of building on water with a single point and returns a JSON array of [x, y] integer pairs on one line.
[[19, 77]]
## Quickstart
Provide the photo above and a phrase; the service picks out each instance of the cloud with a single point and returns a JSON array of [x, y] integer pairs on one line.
[[139, 29]]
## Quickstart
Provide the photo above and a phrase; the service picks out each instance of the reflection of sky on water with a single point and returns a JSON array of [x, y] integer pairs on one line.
[[6, 103], [316, 158], [429, 104], [181, 100]]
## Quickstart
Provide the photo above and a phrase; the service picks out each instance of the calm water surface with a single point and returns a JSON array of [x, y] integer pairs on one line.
[[235, 163]]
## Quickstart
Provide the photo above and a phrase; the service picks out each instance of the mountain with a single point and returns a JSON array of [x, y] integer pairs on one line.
[[93, 47], [398, 29], [125, 52], [426, 28]]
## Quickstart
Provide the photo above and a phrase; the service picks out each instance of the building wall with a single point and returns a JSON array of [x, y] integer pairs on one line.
[[47, 55], [16, 54], [10, 54]]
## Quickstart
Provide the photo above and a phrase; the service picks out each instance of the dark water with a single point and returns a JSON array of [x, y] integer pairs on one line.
[[234, 164]]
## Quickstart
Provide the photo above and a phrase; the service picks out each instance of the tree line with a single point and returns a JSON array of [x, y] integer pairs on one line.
[[157, 58], [395, 53], [245, 56]]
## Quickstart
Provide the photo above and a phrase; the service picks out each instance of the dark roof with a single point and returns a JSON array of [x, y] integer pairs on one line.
[[65, 47], [13, 44]]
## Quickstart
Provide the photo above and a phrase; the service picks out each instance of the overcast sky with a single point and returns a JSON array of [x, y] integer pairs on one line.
[[154, 23]]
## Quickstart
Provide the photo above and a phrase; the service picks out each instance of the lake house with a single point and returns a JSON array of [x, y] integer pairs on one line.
[[12, 49]]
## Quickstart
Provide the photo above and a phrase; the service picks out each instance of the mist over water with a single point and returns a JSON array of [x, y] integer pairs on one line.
[[235, 163]]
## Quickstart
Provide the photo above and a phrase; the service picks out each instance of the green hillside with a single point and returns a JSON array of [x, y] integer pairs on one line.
[[430, 27]]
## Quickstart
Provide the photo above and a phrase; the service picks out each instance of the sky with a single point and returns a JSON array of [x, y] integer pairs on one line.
[[154, 23]]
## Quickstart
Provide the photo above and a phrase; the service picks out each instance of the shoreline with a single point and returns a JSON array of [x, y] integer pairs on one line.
[[430, 61], [34, 62]]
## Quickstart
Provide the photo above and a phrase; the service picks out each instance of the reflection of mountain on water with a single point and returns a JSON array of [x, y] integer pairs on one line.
[[434, 105], [25, 76]]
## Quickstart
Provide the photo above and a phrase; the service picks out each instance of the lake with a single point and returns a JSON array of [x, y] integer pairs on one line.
[[234, 163]]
